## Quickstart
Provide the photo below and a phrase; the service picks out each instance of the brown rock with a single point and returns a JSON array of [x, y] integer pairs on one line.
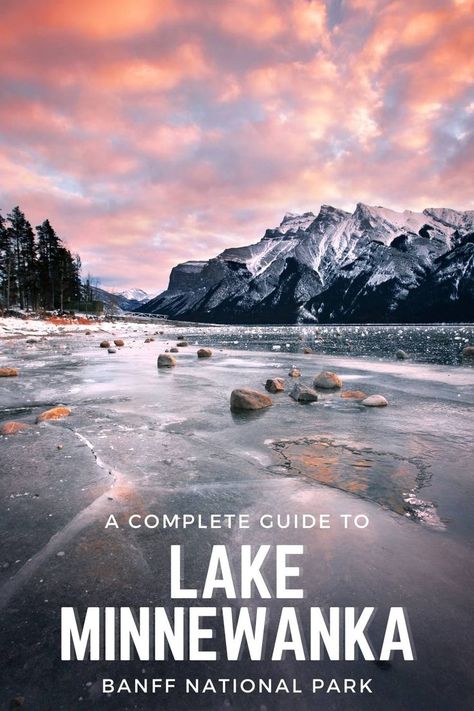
[[375, 401], [56, 413], [149, 340], [327, 381], [204, 353], [119, 342], [174, 350], [182, 343], [301, 393], [105, 344], [354, 395], [8, 372], [468, 351], [87, 333], [295, 373], [307, 350], [275, 385], [12, 427], [243, 399], [165, 360]]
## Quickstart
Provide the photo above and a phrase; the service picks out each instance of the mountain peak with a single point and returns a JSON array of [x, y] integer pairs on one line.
[[293, 222]]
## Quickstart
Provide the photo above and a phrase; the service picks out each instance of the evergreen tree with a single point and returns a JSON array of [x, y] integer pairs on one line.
[[36, 270], [7, 274], [24, 250]]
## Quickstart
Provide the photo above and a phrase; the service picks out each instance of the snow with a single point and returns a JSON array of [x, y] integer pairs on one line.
[[135, 295]]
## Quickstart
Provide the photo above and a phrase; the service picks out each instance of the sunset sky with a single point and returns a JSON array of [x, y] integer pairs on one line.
[[155, 131]]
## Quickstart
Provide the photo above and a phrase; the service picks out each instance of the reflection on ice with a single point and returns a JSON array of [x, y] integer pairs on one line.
[[388, 479]]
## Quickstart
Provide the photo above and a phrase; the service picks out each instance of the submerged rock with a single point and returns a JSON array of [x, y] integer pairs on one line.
[[375, 401], [12, 427], [119, 342], [354, 395], [302, 393], [56, 413], [248, 399], [165, 360], [105, 344], [204, 353], [275, 385], [401, 355], [8, 372], [294, 373], [327, 380]]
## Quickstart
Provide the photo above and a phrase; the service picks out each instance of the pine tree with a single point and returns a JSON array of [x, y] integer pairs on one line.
[[6, 263], [24, 250]]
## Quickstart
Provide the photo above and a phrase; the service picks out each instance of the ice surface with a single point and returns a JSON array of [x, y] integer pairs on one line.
[[147, 441]]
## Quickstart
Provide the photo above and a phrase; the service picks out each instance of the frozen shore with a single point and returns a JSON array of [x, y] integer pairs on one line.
[[144, 441]]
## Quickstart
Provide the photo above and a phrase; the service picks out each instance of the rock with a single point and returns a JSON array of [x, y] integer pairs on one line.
[[354, 395], [8, 372], [174, 350], [401, 355], [327, 381], [248, 399], [182, 343], [111, 350], [119, 343], [17, 702], [12, 427], [165, 360], [32, 340], [307, 350], [302, 393], [468, 351], [56, 413], [375, 401], [87, 333], [204, 353], [294, 373], [275, 385], [105, 344], [149, 340], [180, 338]]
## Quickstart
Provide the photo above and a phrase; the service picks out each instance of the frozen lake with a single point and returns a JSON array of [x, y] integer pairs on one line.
[[143, 440]]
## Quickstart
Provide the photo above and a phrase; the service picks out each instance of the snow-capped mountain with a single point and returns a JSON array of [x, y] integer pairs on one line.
[[124, 301], [374, 265], [135, 295]]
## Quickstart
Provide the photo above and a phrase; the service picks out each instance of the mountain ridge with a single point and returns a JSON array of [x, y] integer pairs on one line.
[[374, 264]]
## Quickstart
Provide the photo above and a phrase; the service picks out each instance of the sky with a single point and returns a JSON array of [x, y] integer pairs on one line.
[[151, 132]]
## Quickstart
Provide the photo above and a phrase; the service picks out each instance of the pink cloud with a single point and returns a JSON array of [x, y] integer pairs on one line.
[[153, 132]]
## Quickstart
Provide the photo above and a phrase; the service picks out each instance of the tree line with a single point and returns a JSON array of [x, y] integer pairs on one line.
[[37, 270]]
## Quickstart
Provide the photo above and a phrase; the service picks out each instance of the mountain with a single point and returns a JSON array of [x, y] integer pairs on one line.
[[124, 301], [372, 265], [135, 295]]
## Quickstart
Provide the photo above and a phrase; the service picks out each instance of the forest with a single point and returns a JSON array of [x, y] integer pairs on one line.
[[37, 270]]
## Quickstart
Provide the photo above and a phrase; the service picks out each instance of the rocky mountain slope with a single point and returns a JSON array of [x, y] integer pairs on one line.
[[123, 301], [374, 265]]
